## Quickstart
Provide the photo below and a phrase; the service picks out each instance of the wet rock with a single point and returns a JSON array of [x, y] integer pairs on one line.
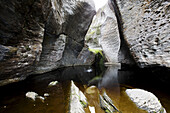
[[146, 31], [109, 101], [77, 100], [145, 100], [31, 95], [41, 98], [105, 106], [103, 34], [53, 83], [91, 90]]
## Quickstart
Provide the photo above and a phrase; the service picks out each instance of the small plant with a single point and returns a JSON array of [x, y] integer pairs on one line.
[[96, 51], [84, 104]]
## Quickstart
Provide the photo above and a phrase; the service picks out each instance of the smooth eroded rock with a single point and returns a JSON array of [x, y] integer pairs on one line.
[[145, 100], [103, 33]]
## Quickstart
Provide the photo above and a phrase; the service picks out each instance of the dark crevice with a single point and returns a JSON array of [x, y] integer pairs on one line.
[[125, 56]]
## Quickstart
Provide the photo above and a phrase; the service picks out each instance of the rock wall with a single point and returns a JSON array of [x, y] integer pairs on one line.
[[146, 30], [37, 36], [103, 33], [71, 18], [21, 37]]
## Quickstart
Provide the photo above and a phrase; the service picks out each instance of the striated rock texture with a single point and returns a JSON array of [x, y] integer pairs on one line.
[[145, 100], [103, 33], [70, 19], [146, 25], [21, 36], [77, 100], [37, 36]]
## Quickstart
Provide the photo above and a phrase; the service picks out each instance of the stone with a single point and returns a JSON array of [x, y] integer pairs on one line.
[[92, 109], [31, 95], [46, 95], [145, 100], [91, 90], [77, 100], [53, 83], [105, 106], [146, 31], [103, 33], [41, 98]]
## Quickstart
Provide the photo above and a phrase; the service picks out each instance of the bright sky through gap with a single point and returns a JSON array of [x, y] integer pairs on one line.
[[99, 3]]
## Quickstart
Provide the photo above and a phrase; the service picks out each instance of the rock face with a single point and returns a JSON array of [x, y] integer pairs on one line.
[[77, 100], [103, 33], [66, 27], [21, 36], [45, 34], [145, 100], [146, 30]]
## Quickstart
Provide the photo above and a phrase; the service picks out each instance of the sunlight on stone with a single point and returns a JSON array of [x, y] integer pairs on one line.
[[99, 3]]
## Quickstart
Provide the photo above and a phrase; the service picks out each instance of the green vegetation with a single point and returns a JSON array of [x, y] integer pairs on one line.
[[96, 51], [84, 104]]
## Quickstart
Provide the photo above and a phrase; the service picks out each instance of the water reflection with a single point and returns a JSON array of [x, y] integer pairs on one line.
[[110, 77], [12, 97]]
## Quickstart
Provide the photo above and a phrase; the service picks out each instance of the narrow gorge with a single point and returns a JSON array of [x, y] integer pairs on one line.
[[77, 57]]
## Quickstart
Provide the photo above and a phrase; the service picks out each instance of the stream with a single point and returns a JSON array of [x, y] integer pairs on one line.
[[112, 79]]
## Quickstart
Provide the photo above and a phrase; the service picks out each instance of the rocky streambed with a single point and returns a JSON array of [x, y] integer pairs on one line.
[[78, 89]]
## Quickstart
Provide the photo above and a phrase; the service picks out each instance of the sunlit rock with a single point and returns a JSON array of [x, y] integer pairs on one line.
[[31, 95], [77, 100], [145, 100], [103, 34]]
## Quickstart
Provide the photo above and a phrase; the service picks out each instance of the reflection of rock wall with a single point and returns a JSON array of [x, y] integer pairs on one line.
[[146, 30]]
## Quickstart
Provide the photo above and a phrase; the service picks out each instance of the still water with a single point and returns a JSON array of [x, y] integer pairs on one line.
[[113, 79]]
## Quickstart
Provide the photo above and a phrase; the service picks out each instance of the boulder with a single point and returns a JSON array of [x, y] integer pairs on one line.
[[103, 34], [145, 100], [146, 30], [31, 95]]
